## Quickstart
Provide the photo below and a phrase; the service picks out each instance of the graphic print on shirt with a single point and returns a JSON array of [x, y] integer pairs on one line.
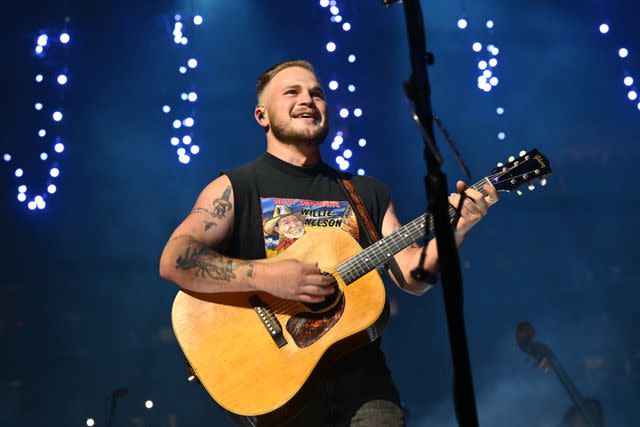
[[286, 220]]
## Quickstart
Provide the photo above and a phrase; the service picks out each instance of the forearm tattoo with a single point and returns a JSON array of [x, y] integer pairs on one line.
[[221, 206], [206, 264], [251, 275]]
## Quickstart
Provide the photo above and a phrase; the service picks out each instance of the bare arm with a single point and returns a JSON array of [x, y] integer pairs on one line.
[[190, 258]]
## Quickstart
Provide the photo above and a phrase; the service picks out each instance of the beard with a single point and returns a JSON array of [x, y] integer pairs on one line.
[[295, 233], [289, 132]]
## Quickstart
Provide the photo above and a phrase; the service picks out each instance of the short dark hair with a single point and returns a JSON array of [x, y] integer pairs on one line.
[[268, 75]]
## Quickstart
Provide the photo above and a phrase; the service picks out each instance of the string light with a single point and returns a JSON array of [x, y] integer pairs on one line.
[[623, 53], [55, 49], [181, 114], [340, 141]]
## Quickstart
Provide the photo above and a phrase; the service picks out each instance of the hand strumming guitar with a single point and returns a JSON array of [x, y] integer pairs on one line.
[[294, 280]]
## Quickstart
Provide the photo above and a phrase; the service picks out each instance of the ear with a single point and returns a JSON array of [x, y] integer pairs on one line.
[[260, 115]]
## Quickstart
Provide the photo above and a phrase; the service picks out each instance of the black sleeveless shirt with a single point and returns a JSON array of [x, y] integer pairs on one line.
[[273, 199]]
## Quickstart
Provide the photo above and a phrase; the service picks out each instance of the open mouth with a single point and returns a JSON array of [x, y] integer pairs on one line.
[[307, 117]]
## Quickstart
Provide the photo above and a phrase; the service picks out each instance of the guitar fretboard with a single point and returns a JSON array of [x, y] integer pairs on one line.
[[379, 253]]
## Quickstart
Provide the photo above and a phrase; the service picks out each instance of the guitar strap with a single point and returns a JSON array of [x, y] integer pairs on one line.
[[361, 211]]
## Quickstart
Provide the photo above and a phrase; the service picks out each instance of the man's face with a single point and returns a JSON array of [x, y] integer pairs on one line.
[[296, 107], [290, 226]]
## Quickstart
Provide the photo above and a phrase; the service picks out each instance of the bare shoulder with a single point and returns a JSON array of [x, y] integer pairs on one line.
[[211, 219]]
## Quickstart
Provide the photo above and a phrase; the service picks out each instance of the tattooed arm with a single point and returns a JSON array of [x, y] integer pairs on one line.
[[190, 259]]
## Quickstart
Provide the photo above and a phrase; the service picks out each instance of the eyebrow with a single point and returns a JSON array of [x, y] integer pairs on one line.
[[316, 88]]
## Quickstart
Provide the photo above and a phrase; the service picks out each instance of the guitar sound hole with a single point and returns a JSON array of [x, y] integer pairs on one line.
[[329, 300]]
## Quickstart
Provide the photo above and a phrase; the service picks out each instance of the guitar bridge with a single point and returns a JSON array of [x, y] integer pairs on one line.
[[269, 320]]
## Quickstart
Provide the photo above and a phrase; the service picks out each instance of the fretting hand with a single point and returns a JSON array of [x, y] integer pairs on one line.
[[474, 206]]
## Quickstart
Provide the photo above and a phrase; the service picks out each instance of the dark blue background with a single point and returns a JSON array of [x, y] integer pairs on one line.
[[84, 311]]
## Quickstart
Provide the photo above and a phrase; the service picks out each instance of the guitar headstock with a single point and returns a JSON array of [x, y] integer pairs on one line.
[[528, 167], [524, 337]]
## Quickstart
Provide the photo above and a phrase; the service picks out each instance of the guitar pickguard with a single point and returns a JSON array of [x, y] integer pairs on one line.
[[306, 328]]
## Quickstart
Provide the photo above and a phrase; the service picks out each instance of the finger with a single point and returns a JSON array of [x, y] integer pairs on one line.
[[469, 206], [316, 290], [461, 186], [310, 267], [478, 198], [325, 280], [493, 196], [310, 298], [454, 200]]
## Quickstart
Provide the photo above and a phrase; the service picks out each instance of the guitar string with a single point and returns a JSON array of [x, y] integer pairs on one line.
[[364, 268]]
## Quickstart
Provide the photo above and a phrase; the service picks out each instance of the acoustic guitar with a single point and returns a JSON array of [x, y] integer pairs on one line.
[[585, 412], [254, 353]]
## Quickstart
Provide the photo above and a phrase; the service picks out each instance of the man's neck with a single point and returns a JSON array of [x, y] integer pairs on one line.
[[302, 155]]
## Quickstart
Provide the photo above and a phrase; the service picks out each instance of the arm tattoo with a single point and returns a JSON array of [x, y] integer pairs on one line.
[[206, 264], [251, 275], [182, 236], [200, 210], [207, 224], [221, 206]]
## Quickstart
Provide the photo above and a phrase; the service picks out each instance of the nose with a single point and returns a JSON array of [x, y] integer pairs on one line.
[[305, 98]]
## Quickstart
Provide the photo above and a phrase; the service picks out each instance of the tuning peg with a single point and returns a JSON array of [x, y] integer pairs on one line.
[[532, 187], [511, 159], [522, 153], [519, 192], [543, 182], [500, 164]]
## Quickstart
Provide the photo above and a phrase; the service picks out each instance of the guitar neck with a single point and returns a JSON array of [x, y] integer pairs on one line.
[[573, 392], [378, 254]]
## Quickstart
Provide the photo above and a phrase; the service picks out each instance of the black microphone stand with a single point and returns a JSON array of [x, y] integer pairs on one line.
[[419, 92]]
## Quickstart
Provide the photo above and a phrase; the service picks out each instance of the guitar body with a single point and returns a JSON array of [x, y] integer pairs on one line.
[[235, 355]]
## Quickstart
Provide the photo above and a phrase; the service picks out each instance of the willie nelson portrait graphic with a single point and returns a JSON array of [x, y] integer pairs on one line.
[[286, 220]]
